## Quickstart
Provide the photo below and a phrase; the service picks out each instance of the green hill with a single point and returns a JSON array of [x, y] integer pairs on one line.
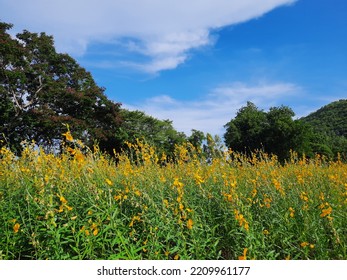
[[330, 119], [329, 128]]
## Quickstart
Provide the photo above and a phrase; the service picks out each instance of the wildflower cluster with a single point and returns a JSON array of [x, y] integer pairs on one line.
[[83, 204]]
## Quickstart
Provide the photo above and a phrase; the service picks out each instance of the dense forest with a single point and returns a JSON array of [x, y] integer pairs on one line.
[[329, 126], [43, 93]]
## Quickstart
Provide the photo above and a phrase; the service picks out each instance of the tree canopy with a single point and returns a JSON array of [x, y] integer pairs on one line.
[[329, 125], [274, 132], [158, 133], [41, 90]]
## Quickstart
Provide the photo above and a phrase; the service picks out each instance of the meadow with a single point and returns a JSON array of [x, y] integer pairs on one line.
[[82, 204]]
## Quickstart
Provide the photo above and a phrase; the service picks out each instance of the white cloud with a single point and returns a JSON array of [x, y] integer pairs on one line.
[[214, 110], [163, 31]]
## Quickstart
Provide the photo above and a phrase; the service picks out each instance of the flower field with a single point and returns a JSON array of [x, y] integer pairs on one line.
[[85, 205]]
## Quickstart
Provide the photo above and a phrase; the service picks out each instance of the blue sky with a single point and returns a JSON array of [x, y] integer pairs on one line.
[[198, 62]]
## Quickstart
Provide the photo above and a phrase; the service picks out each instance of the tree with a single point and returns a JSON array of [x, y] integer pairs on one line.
[[213, 147], [158, 133], [196, 138], [274, 132], [41, 90], [284, 134], [245, 133]]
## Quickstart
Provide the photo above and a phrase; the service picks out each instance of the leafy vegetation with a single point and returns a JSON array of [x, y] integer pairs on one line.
[[330, 119], [329, 125], [274, 132], [42, 92], [132, 187], [139, 126], [81, 205]]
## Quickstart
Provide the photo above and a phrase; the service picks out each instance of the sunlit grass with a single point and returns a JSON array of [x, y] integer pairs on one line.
[[84, 205]]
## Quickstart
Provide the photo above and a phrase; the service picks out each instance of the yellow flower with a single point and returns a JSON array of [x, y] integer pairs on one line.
[[198, 179], [74, 218], [63, 200], [321, 196], [304, 244], [68, 136], [80, 157], [135, 218], [108, 182], [246, 225], [16, 227], [242, 221], [177, 183], [304, 196], [137, 192], [117, 197], [69, 208], [190, 224], [266, 232], [326, 212], [95, 232], [244, 256], [94, 226], [71, 151], [176, 257], [229, 197]]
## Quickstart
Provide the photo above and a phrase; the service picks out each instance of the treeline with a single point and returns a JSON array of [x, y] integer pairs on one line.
[[42, 93], [276, 132]]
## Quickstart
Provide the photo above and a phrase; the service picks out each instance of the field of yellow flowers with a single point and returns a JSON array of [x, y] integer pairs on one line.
[[85, 205]]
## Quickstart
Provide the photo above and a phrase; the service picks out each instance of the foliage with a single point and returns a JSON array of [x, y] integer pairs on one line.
[[158, 133], [80, 205], [41, 90], [196, 138], [330, 119], [274, 132], [329, 126]]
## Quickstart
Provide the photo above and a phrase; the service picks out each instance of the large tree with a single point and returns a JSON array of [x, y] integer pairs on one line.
[[245, 133], [274, 131], [41, 90]]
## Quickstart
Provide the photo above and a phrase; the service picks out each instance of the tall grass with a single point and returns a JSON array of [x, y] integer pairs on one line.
[[85, 205]]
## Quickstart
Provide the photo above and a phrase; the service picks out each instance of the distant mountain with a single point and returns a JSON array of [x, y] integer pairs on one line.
[[330, 119]]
